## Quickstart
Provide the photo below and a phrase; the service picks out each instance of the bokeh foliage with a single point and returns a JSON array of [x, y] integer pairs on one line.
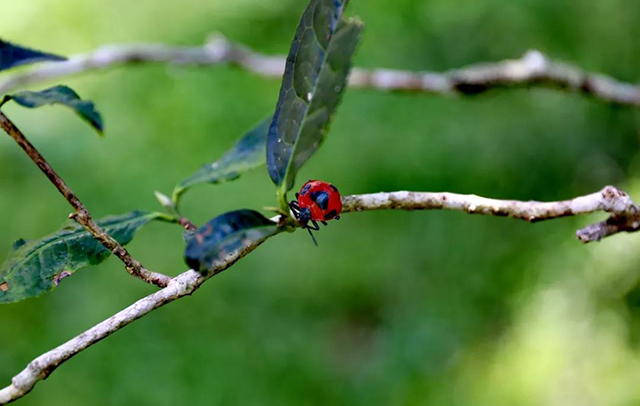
[[394, 308]]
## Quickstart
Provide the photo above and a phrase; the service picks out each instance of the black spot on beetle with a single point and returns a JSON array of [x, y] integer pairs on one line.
[[321, 199], [333, 213], [335, 189], [305, 190]]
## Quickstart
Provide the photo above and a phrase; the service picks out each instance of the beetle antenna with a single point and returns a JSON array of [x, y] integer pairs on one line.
[[312, 237]]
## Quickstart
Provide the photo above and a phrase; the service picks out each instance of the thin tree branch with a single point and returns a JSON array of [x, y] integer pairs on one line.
[[625, 216], [82, 215], [182, 285], [533, 69]]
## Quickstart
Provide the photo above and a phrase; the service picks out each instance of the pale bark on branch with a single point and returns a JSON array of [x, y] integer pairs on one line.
[[624, 213], [624, 216], [180, 286], [533, 69]]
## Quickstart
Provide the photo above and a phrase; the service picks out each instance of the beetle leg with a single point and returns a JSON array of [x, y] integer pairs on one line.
[[315, 227], [312, 237], [336, 218], [324, 223]]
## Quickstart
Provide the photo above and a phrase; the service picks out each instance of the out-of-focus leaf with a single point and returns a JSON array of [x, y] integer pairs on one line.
[[34, 267], [314, 79], [59, 95], [248, 153], [12, 55], [224, 234]]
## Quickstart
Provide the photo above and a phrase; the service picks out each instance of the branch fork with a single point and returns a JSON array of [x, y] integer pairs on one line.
[[625, 216]]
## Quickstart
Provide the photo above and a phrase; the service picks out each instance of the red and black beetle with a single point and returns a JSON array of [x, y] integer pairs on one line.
[[317, 201]]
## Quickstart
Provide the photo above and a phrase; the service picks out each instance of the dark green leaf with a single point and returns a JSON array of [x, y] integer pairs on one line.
[[59, 95], [248, 153], [34, 267], [225, 234], [314, 79], [12, 55]]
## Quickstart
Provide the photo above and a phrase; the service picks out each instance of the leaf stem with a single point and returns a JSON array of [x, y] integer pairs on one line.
[[82, 215], [281, 193]]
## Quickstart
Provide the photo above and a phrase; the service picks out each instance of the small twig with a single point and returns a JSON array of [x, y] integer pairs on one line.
[[82, 216], [187, 224], [533, 69], [625, 214]]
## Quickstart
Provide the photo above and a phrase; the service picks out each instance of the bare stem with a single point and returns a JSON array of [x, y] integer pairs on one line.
[[82, 215], [625, 214], [533, 69]]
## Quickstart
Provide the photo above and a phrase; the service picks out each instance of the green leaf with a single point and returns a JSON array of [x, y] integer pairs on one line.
[[12, 55], [34, 267], [225, 234], [314, 79], [59, 95], [248, 153]]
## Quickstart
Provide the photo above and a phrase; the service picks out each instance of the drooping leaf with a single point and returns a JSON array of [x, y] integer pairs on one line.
[[314, 79], [248, 153], [59, 95], [34, 267], [224, 234], [12, 55]]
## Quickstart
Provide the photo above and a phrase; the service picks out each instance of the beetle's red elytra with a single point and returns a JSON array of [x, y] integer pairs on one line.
[[317, 201]]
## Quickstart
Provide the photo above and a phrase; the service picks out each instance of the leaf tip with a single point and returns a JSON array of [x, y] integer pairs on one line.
[[18, 243], [63, 95], [13, 55]]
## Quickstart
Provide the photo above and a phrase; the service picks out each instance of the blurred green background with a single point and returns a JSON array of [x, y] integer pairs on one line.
[[394, 308]]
